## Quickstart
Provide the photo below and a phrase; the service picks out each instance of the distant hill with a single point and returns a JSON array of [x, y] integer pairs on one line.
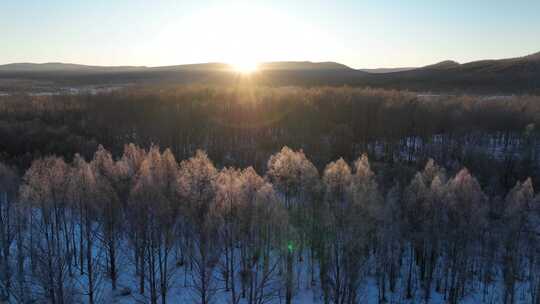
[[535, 56], [303, 66], [386, 70], [58, 66], [513, 75], [269, 73], [447, 64], [211, 66]]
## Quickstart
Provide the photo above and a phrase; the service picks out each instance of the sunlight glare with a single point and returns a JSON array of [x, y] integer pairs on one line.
[[237, 34], [244, 67]]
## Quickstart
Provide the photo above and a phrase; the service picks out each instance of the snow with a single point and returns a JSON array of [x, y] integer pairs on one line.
[[127, 289]]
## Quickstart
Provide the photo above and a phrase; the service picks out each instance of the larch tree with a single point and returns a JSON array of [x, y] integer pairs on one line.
[[126, 172], [467, 223], [197, 188], [425, 213], [9, 222], [337, 181], [154, 204], [64, 226], [229, 200], [44, 187], [389, 243], [518, 223], [263, 226], [110, 209], [84, 189], [367, 204], [297, 179]]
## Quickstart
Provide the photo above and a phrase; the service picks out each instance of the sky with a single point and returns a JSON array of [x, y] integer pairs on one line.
[[358, 33]]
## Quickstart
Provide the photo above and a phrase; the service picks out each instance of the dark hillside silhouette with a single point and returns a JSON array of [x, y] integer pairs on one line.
[[505, 76]]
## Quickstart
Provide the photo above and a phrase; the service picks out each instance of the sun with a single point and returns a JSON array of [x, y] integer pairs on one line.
[[244, 66]]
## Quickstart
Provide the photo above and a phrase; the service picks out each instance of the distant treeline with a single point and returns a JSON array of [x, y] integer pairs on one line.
[[242, 125]]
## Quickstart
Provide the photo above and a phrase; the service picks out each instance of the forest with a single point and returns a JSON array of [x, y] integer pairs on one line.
[[496, 137], [157, 230], [199, 194]]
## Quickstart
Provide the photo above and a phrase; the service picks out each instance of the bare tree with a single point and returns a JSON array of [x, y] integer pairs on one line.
[[197, 187], [109, 209], [466, 212], [230, 200], [9, 221], [85, 188], [296, 178], [126, 171], [154, 200], [337, 180], [518, 224], [44, 186], [263, 228], [425, 215]]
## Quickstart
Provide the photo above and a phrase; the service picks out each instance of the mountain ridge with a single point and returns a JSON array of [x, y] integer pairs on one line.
[[518, 75], [59, 66], [273, 65]]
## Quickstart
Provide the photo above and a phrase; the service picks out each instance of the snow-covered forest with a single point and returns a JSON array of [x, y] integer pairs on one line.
[[145, 227], [269, 152], [496, 138]]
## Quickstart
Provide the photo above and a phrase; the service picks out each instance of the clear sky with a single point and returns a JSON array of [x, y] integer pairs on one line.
[[359, 33]]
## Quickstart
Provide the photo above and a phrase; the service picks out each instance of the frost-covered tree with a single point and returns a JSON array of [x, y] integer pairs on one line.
[[84, 191], [517, 238], [109, 209], [352, 203], [367, 204], [466, 225], [292, 174], [389, 243], [127, 169], [197, 188], [264, 221], [365, 190], [296, 178], [155, 207], [337, 181], [243, 237], [425, 215], [45, 187], [10, 220], [230, 200]]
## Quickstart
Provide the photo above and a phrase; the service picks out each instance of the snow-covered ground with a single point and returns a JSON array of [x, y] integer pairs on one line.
[[182, 289]]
